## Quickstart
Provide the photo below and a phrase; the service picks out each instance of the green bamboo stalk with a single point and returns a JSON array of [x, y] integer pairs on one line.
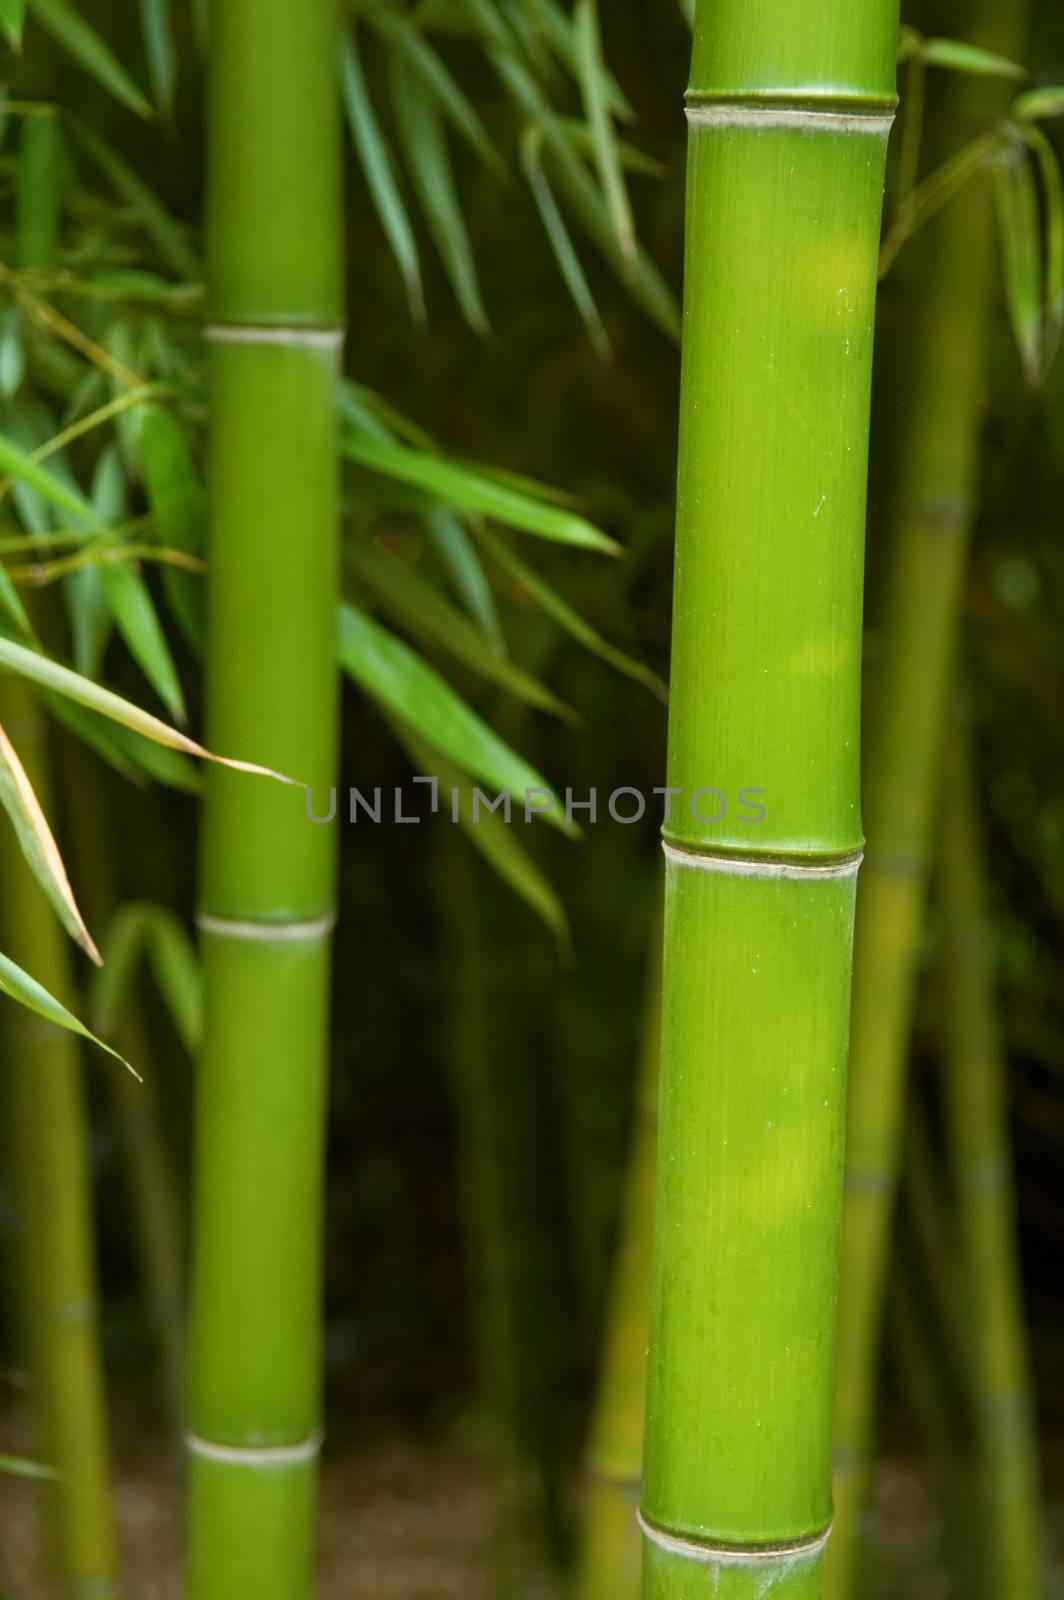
[[49, 1140], [266, 886], [976, 1125], [610, 1554], [942, 351], [492, 1134], [790, 108], [154, 1202]]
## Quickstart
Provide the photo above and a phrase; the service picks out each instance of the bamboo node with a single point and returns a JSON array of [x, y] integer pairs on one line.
[[245, 333], [810, 118], [753, 1555], [753, 867], [267, 932], [277, 1455]]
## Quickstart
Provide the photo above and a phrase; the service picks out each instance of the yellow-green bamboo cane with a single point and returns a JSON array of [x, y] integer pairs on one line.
[[267, 871], [977, 1133], [48, 1139], [941, 355], [610, 1554], [790, 108]]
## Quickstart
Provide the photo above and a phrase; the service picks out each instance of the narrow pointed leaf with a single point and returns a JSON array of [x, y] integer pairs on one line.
[[26, 991], [465, 572], [159, 49], [176, 497], [417, 607], [566, 617], [596, 109], [375, 159], [408, 687], [38, 844], [1018, 227], [463, 489], [958, 56], [560, 242], [12, 16], [70, 30], [1035, 105]]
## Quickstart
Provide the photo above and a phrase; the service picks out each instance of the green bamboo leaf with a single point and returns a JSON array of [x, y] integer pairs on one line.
[[70, 30], [607, 159], [429, 163], [416, 606], [1053, 208], [136, 759], [37, 210], [957, 56], [38, 844], [26, 991], [142, 931], [498, 844], [453, 102], [558, 234], [19, 1466], [568, 619], [48, 674], [137, 620], [11, 605], [1035, 105], [1021, 255], [561, 35], [375, 159], [407, 686], [12, 17], [12, 351], [18, 463], [176, 498], [632, 159], [159, 49], [465, 572], [464, 489]]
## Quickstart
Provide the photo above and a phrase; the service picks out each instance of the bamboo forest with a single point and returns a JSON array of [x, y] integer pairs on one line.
[[532, 769]]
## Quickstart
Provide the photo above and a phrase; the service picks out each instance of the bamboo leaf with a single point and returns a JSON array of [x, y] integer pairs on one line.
[[137, 620], [416, 606], [375, 159], [607, 159], [49, 674], [38, 844], [561, 34], [463, 489], [464, 569], [407, 686], [438, 79], [566, 617], [499, 845], [18, 463], [176, 498], [70, 30], [12, 17], [558, 234], [1036, 105], [429, 162], [20, 1467], [11, 605], [37, 211], [159, 49], [958, 56], [1018, 227], [26, 991], [139, 931], [1053, 207]]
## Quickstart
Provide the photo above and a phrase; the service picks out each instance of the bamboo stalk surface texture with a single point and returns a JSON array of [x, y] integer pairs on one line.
[[790, 109], [266, 889]]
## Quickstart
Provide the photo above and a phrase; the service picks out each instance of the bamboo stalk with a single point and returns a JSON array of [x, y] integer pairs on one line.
[[790, 110], [49, 1140], [151, 1182], [936, 441], [266, 885], [976, 1125], [610, 1554]]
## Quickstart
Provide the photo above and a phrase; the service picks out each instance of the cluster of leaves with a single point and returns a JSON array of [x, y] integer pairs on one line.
[[102, 419], [1028, 188]]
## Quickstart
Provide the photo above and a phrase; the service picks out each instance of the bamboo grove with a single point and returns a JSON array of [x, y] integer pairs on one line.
[[532, 857]]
